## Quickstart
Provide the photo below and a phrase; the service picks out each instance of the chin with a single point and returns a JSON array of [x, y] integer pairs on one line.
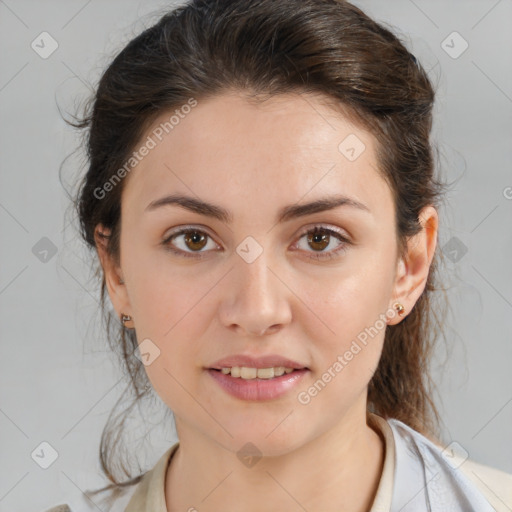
[[270, 437]]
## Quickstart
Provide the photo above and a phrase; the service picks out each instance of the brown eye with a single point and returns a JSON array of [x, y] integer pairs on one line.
[[189, 243], [194, 240], [319, 239]]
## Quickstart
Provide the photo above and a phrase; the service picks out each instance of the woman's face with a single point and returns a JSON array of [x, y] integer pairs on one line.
[[254, 280]]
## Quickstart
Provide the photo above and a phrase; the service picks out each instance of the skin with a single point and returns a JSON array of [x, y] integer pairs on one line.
[[253, 160]]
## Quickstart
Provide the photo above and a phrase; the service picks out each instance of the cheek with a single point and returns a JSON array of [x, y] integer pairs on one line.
[[345, 303], [345, 360], [172, 309], [165, 297], [347, 324]]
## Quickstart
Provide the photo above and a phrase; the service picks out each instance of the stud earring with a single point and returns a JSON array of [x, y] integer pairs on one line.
[[125, 318], [400, 309]]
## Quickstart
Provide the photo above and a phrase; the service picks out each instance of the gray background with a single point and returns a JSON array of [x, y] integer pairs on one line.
[[58, 383]]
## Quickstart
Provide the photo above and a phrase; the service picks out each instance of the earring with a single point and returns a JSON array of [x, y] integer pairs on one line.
[[125, 318], [121, 281], [400, 309]]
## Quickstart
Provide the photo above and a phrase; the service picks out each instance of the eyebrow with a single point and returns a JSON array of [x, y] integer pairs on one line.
[[285, 214]]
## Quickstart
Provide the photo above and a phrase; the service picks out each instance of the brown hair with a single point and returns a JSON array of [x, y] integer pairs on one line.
[[263, 47]]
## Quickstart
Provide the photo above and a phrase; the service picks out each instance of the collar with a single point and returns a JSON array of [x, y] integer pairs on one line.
[[426, 480]]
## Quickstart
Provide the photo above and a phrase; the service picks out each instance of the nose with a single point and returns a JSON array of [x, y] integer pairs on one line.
[[257, 300]]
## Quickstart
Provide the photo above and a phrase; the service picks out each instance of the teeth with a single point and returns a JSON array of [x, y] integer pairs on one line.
[[252, 373], [249, 373], [278, 371]]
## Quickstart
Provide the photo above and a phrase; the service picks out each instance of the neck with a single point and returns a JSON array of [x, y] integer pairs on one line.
[[338, 470]]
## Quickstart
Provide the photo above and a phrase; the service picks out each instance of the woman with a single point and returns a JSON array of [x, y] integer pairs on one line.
[[262, 199]]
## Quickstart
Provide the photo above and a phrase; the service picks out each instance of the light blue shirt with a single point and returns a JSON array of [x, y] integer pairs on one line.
[[426, 481]]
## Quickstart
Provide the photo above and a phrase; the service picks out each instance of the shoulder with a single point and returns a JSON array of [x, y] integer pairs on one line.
[[494, 484], [448, 470], [149, 496]]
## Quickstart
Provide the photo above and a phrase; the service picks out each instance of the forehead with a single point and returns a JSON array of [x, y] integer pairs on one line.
[[283, 149]]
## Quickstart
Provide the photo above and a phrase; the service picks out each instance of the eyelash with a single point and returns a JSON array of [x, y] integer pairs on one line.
[[315, 229]]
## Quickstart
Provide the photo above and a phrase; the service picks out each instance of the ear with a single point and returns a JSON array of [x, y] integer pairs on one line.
[[112, 271], [413, 269]]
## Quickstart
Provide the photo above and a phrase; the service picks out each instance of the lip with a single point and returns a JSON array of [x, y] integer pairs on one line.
[[258, 389], [266, 361]]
